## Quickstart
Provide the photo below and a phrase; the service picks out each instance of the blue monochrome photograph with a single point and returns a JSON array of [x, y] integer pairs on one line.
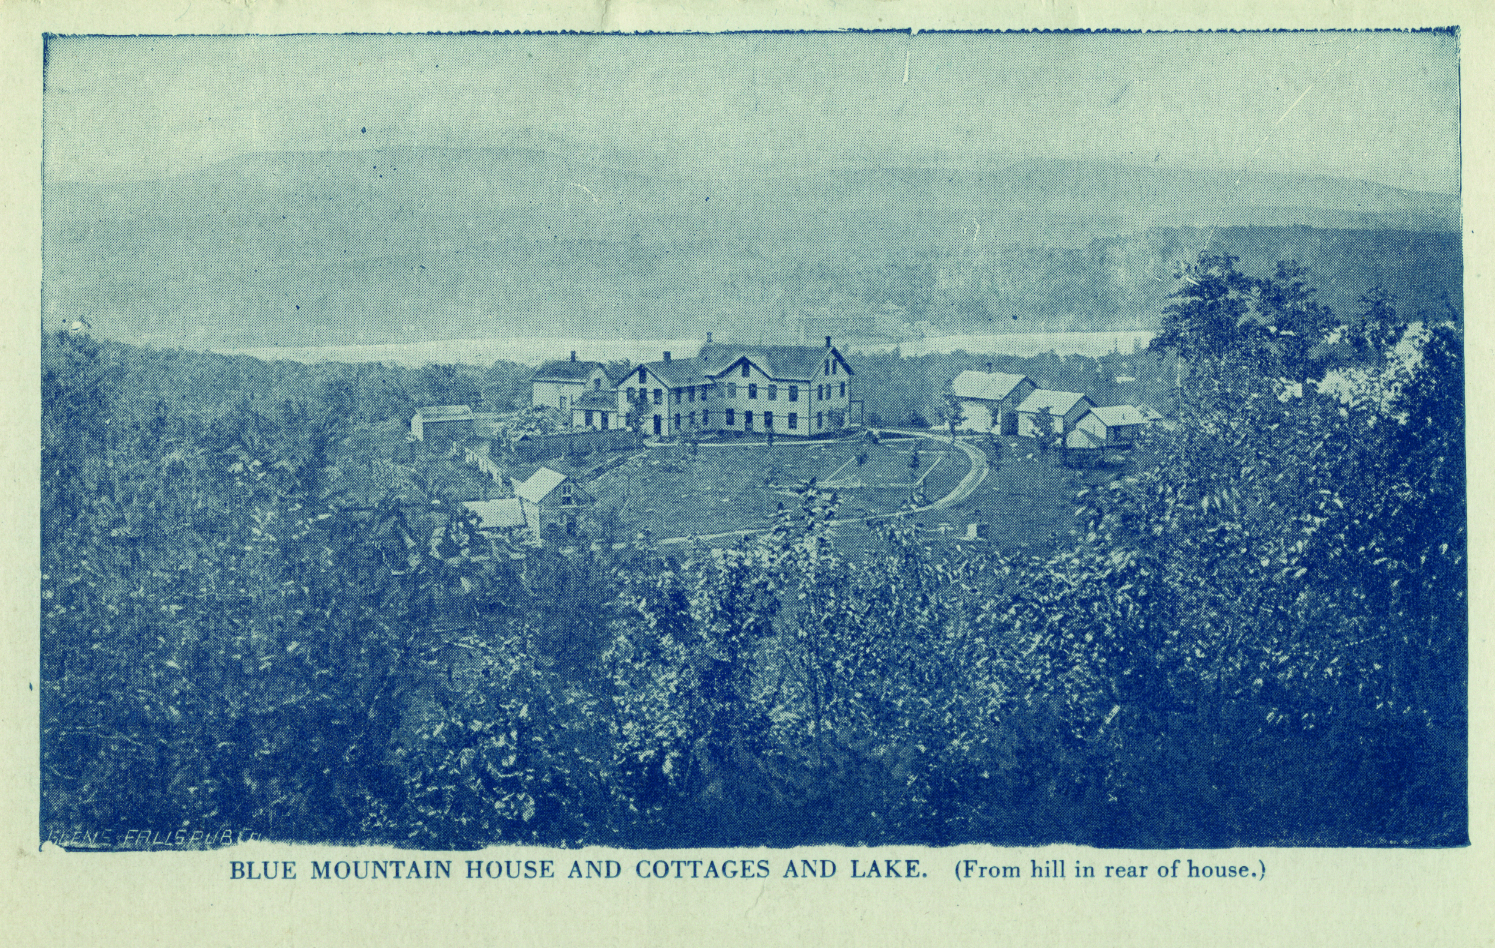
[[753, 440]]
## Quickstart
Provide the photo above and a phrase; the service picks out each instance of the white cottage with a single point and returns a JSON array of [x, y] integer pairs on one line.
[[1063, 409], [1110, 426], [989, 400], [559, 384]]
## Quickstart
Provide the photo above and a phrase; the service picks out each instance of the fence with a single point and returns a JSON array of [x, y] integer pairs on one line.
[[532, 448]]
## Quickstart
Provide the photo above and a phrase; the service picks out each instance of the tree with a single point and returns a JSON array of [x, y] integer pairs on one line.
[[1043, 429], [1204, 316], [1374, 330], [952, 412], [1285, 324]]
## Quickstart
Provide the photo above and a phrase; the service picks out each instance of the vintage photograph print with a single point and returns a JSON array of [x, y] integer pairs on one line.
[[753, 439]]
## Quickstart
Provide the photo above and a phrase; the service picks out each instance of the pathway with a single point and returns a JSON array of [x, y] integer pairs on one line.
[[974, 478]]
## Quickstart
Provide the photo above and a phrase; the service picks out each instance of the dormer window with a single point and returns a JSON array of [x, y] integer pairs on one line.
[[746, 370], [566, 498]]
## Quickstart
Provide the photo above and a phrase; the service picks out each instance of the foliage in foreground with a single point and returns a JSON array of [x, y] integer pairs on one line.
[[1260, 639]]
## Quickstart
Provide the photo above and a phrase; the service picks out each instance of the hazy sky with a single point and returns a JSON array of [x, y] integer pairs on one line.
[[1376, 106]]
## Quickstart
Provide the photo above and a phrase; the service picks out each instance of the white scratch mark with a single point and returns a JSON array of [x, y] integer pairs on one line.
[[1209, 238], [1299, 99], [586, 189]]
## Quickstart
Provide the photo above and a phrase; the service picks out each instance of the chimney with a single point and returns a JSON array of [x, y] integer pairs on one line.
[[827, 342], [666, 357], [708, 337], [988, 368], [573, 355]]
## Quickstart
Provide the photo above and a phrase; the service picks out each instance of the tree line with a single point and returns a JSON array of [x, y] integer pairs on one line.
[[280, 616]]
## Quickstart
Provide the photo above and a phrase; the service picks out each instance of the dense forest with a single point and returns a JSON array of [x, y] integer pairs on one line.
[[263, 606]]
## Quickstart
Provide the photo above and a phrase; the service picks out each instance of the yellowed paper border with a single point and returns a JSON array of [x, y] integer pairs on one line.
[[1329, 897]]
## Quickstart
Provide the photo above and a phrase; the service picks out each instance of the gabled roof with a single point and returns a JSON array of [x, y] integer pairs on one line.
[[605, 399], [676, 373], [445, 413], [992, 386], [566, 370], [1114, 415], [497, 514], [539, 486], [788, 363], [1058, 403]]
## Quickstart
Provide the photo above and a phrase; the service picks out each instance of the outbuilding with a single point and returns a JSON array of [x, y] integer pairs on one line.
[[1063, 409], [989, 400], [442, 424], [1111, 426]]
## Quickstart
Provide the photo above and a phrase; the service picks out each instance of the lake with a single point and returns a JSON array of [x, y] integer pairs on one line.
[[533, 350]]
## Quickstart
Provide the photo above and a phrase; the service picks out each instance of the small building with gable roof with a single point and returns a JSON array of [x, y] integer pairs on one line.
[[506, 513], [1110, 426], [989, 400], [560, 383], [442, 424], [598, 410], [1063, 409], [547, 498]]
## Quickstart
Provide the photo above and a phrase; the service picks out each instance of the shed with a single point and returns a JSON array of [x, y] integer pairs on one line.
[[989, 400], [442, 423], [1065, 408], [1107, 427], [549, 497]]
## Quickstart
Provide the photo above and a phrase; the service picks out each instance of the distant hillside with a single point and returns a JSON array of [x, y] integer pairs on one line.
[[349, 247]]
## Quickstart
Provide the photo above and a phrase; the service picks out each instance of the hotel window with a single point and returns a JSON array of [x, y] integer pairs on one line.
[[692, 419], [747, 421], [793, 421], [566, 498], [794, 393], [731, 389], [752, 390], [843, 389], [745, 370], [731, 417], [659, 396], [632, 393], [690, 394], [833, 366], [826, 369], [773, 393], [596, 385], [819, 420], [588, 419], [677, 421], [642, 375], [706, 418], [768, 419]]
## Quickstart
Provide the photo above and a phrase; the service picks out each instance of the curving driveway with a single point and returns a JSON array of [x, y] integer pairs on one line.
[[974, 478]]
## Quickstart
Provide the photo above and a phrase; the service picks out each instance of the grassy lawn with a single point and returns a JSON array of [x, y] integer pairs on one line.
[[740, 485], [1028, 499]]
